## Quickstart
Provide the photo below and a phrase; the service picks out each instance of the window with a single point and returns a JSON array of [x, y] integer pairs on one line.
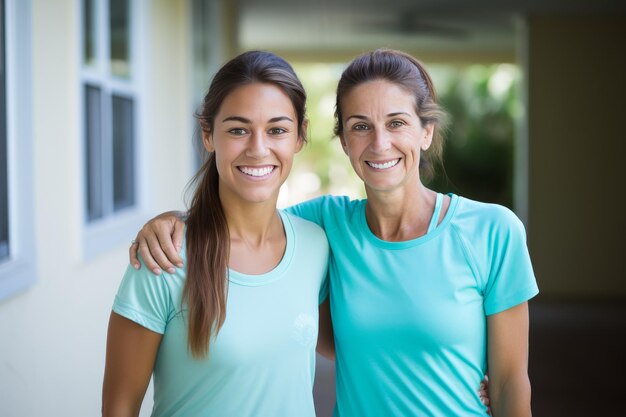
[[207, 26], [109, 97], [17, 238]]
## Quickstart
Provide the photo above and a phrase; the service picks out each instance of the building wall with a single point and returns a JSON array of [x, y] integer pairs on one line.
[[52, 342], [576, 69]]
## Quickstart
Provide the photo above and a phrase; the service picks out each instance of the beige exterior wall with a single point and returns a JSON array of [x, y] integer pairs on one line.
[[577, 144], [52, 342]]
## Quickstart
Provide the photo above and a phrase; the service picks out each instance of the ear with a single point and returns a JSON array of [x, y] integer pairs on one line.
[[427, 140], [300, 143], [207, 141]]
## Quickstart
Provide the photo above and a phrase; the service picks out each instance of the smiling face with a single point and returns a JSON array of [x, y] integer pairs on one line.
[[254, 137], [383, 135]]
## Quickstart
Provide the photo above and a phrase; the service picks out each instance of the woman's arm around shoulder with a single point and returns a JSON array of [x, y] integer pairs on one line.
[[509, 386], [130, 355], [159, 242]]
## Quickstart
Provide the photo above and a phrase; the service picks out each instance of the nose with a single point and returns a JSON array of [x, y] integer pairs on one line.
[[381, 140], [257, 146]]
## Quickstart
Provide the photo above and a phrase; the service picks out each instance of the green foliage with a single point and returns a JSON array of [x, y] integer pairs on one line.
[[482, 102]]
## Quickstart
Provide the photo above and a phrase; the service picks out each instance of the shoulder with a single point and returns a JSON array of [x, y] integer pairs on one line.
[[486, 218], [304, 227], [326, 203], [143, 280], [325, 210], [310, 245], [148, 299]]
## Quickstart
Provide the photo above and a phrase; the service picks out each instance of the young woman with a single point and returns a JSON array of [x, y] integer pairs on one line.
[[427, 291], [234, 333]]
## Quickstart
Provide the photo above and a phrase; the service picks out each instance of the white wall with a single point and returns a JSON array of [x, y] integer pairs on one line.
[[52, 336]]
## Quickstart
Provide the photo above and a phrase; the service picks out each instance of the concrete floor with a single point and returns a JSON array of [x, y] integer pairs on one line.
[[577, 361]]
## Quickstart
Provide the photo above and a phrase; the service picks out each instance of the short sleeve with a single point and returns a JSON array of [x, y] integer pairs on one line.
[[144, 298], [311, 210], [511, 280]]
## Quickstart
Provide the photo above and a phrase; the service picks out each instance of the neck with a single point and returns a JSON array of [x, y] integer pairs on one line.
[[401, 214], [257, 235], [253, 223]]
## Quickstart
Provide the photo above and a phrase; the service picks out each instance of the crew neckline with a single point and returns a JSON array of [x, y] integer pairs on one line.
[[275, 274], [371, 237]]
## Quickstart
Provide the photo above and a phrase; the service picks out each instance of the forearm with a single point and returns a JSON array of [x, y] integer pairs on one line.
[[511, 398], [509, 386]]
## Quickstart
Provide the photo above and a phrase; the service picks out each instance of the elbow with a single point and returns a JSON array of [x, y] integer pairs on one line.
[[114, 412], [511, 397], [116, 409]]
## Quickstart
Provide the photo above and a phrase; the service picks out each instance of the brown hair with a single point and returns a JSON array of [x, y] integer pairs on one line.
[[409, 73], [208, 238]]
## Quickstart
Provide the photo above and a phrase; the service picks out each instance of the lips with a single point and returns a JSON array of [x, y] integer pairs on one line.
[[257, 172], [383, 164]]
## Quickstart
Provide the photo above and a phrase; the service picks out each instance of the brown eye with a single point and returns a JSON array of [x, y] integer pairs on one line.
[[277, 131], [237, 131]]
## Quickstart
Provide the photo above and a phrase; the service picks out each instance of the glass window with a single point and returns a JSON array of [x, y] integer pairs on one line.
[[89, 30], [119, 27], [93, 152], [123, 153]]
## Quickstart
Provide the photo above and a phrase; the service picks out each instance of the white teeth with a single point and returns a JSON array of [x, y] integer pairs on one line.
[[257, 172], [385, 165]]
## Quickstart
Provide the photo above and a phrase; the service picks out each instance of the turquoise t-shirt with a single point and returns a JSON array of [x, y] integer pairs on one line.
[[262, 363], [410, 317]]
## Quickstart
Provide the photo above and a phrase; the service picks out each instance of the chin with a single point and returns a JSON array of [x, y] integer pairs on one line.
[[259, 197]]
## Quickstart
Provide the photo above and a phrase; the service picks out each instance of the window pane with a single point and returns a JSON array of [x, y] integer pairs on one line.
[[120, 37], [89, 31], [123, 153], [93, 151], [4, 186]]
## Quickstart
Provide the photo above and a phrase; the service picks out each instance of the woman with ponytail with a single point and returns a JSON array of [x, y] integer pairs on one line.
[[234, 332]]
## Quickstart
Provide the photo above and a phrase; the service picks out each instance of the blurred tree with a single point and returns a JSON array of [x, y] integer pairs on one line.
[[482, 102]]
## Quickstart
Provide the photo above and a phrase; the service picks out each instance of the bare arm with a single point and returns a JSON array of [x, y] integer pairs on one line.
[[509, 386], [159, 242], [131, 352], [325, 338]]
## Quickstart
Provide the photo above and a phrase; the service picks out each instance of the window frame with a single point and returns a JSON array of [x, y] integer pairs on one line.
[[114, 227], [18, 271], [4, 180]]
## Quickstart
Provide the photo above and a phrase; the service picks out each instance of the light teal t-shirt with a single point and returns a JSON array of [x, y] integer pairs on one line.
[[410, 317], [262, 362]]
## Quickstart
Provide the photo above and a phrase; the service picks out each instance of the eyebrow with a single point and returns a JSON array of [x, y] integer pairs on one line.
[[248, 121], [361, 117]]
